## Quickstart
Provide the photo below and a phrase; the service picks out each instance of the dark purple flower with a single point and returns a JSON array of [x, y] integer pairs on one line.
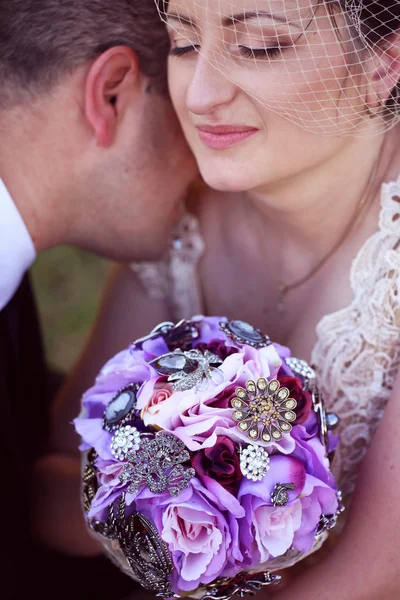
[[220, 463], [223, 399], [303, 398]]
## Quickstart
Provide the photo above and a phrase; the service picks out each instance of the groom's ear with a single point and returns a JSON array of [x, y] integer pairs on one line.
[[111, 85]]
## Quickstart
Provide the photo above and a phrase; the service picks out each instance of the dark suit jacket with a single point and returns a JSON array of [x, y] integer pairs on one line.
[[23, 428], [25, 569]]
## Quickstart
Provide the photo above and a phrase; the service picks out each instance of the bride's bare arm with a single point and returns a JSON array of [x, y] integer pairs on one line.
[[126, 313], [364, 564]]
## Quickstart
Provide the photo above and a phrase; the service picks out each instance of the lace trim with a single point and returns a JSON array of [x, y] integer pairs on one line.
[[357, 353], [175, 277]]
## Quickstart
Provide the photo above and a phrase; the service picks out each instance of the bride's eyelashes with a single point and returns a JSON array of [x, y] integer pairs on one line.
[[244, 51], [181, 51], [260, 53]]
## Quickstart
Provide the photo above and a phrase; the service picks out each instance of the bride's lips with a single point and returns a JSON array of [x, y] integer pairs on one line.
[[224, 136]]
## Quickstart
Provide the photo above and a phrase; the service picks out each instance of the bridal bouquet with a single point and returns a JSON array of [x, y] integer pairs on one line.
[[206, 459]]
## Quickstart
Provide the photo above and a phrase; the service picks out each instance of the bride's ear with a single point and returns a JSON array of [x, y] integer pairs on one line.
[[384, 72], [111, 84]]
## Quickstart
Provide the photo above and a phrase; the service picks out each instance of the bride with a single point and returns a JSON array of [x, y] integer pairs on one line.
[[292, 110]]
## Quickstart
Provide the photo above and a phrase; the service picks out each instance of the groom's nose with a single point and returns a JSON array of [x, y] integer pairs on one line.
[[208, 88]]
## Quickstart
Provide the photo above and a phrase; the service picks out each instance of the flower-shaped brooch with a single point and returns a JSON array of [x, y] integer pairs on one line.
[[264, 410]]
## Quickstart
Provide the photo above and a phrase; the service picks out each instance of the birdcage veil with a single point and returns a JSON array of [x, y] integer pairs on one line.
[[331, 66]]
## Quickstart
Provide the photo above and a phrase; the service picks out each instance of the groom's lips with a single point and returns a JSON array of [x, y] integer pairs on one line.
[[223, 136]]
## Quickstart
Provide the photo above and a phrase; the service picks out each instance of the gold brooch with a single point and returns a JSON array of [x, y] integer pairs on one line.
[[264, 410]]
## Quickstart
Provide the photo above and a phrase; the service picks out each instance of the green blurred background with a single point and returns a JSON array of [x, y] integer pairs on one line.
[[68, 285]]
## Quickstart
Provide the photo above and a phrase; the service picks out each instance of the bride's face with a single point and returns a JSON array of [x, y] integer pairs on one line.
[[257, 85]]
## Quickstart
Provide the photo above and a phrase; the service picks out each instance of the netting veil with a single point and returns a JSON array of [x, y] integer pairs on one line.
[[331, 66]]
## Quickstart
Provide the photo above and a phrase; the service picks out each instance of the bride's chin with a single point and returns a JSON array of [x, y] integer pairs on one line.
[[226, 182]]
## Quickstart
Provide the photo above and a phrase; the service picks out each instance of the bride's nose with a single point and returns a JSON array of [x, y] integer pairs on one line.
[[208, 88]]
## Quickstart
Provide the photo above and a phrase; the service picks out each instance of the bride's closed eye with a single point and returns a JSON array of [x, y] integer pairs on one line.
[[182, 50], [260, 53], [244, 51]]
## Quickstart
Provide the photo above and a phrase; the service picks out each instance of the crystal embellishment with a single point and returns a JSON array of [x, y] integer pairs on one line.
[[254, 462], [158, 465], [122, 407], [301, 369], [244, 333], [264, 410], [126, 439], [280, 495], [187, 370]]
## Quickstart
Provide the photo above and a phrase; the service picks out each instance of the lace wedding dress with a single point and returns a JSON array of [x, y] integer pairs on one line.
[[357, 353]]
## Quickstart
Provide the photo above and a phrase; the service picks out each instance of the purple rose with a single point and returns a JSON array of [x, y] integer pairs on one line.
[[266, 531], [196, 532], [209, 328], [220, 463]]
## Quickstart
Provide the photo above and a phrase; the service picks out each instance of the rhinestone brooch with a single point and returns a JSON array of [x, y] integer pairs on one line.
[[159, 465], [301, 369], [244, 333], [254, 462], [187, 370], [280, 495], [264, 404], [121, 409], [126, 439]]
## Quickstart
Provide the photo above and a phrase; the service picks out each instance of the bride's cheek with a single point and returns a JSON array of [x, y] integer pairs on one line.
[[179, 78]]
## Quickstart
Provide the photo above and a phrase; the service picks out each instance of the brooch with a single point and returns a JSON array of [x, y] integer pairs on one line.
[[185, 370], [244, 333], [264, 404]]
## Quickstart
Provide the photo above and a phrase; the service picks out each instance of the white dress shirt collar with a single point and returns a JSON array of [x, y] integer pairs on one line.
[[17, 251]]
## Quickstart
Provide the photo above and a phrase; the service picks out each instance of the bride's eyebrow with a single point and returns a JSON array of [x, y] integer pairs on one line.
[[181, 19], [231, 21], [250, 15]]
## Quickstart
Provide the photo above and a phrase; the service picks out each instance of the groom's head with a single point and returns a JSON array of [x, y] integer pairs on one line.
[[90, 145]]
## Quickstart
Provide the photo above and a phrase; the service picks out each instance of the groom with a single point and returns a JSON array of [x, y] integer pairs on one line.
[[91, 155]]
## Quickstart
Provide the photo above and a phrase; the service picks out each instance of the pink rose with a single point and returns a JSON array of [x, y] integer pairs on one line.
[[274, 528], [162, 391], [198, 537]]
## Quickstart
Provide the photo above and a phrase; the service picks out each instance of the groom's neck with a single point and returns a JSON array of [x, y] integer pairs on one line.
[[30, 170]]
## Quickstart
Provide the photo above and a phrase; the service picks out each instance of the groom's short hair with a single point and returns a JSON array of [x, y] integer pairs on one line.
[[43, 40]]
